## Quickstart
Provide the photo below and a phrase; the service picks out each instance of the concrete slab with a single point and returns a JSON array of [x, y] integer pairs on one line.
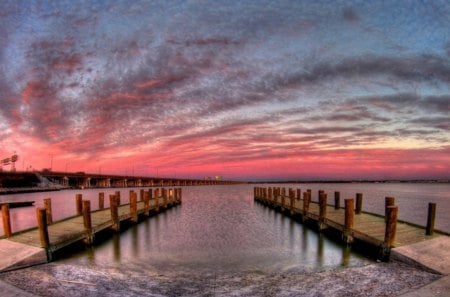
[[439, 288], [12, 291], [432, 255], [16, 255]]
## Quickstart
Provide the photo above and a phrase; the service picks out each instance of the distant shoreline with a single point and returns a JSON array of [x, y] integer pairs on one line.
[[446, 181]]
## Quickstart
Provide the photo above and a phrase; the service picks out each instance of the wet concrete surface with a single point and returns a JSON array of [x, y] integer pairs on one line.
[[135, 279]]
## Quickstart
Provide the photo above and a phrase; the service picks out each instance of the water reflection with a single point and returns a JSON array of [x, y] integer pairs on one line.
[[220, 229]]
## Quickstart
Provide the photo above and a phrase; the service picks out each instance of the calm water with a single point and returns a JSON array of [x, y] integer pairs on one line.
[[220, 227]]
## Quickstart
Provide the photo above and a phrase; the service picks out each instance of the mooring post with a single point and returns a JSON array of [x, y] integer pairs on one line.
[[157, 199], [349, 218], [431, 218], [322, 210], [117, 194], [388, 201], [337, 200], [147, 202], [299, 194], [391, 227], [358, 208], [292, 200], [164, 195], [320, 193], [6, 220], [79, 204], [48, 210], [133, 207], [101, 200], [141, 195], [87, 220], [305, 204], [43, 228], [283, 198], [270, 195], [113, 202]]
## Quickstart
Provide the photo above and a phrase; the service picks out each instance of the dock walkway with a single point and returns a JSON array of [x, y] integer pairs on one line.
[[54, 236], [363, 226]]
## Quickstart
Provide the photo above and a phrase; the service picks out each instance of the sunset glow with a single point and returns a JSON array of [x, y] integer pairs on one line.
[[250, 90]]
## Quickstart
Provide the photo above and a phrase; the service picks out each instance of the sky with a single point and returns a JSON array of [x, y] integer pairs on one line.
[[247, 90]]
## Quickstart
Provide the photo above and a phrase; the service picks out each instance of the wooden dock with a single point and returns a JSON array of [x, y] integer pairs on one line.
[[52, 236], [382, 232]]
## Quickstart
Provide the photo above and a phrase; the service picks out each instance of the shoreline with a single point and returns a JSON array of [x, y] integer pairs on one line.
[[133, 279]]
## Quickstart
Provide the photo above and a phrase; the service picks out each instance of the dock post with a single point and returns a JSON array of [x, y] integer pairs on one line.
[[320, 193], [164, 195], [283, 198], [147, 202], [157, 199], [430, 218], [299, 194], [358, 208], [101, 200], [79, 204], [388, 201], [141, 195], [48, 210], [6, 220], [305, 205], [171, 200], [87, 220], [322, 210], [349, 218], [43, 228], [133, 207], [269, 195], [391, 227], [337, 200], [113, 202], [292, 201], [117, 193]]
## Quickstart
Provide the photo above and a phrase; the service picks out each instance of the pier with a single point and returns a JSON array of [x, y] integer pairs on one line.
[[49, 237], [350, 221]]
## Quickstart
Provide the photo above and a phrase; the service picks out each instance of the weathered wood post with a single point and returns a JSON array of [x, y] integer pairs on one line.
[[337, 200], [79, 204], [322, 210], [305, 204], [147, 203], [117, 194], [141, 195], [391, 227], [283, 198], [48, 210], [292, 201], [113, 202], [157, 199], [101, 200], [133, 207], [270, 195], [320, 193], [349, 219], [164, 195], [431, 218], [6, 220], [388, 201], [87, 221], [43, 228], [299, 194], [358, 208]]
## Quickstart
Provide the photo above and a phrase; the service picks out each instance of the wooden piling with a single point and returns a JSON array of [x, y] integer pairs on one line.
[[87, 220], [133, 207], [157, 200], [358, 208], [48, 210], [147, 202], [43, 228], [141, 195], [6, 220], [349, 219], [305, 203], [322, 206], [388, 201], [391, 226], [101, 200], [431, 218], [292, 200], [270, 194], [337, 200], [164, 195], [117, 194], [113, 202], [79, 204], [283, 198], [299, 194]]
